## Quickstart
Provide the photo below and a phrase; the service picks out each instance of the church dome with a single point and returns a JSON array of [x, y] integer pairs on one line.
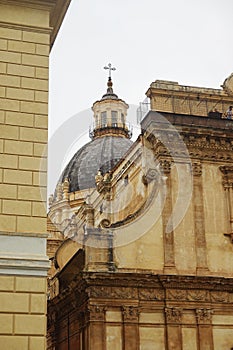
[[100, 154], [110, 135]]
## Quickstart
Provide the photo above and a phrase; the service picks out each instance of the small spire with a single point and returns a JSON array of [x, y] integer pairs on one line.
[[109, 89]]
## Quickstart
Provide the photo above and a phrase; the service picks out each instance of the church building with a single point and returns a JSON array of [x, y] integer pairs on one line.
[[141, 233]]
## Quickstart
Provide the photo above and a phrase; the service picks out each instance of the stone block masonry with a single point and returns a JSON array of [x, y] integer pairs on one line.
[[26, 29]]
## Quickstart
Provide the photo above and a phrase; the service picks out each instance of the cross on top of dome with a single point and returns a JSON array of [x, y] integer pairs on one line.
[[110, 68]]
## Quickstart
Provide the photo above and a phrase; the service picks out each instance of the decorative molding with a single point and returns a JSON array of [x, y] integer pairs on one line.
[[112, 292], [151, 294], [28, 28], [198, 295], [220, 297], [37, 4]]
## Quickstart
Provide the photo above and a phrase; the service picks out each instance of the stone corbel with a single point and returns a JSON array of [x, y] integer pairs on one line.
[[152, 174]]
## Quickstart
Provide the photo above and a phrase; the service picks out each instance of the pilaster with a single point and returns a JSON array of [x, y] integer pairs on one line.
[[168, 233], [227, 181], [173, 316], [96, 329], [130, 327], [199, 219], [204, 324]]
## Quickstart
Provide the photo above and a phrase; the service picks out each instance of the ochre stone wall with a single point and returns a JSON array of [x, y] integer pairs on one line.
[[23, 110], [25, 31], [23, 310]]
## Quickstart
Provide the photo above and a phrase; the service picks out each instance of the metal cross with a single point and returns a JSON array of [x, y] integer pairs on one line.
[[110, 68]]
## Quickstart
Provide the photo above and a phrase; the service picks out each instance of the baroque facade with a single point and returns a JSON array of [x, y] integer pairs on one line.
[[140, 233]]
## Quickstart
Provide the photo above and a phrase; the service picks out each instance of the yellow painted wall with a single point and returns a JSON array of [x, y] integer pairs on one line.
[[23, 110], [24, 51]]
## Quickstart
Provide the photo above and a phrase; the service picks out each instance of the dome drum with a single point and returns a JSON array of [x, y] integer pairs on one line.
[[113, 128]]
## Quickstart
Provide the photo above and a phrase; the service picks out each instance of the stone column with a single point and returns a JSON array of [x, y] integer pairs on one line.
[[173, 317], [130, 327], [199, 219], [168, 234], [205, 334]]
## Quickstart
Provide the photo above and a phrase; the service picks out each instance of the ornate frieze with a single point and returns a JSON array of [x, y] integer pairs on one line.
[[151, 294], [188, 295], [112, 292], [220, 297], [198, 295]]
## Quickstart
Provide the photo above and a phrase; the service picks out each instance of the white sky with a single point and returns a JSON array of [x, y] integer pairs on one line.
[[188, 41]]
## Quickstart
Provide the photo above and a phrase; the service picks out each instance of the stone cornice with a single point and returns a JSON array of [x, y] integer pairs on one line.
[[57, 16], [181, 121], [205, 138], [41, 4], [57, 9], [130, 284], [124, 289]]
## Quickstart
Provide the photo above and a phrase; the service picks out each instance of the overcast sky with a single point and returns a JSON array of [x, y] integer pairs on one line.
[[188, 41]]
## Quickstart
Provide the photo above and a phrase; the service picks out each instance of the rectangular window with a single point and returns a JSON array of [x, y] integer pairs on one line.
[[114, 118], [103, 119]]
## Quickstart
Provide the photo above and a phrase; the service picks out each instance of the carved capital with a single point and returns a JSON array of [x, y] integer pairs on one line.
[[96, 312], [197, 169], [166, 166], [227, 172], [130, 313], [173, 314], [204, 316]]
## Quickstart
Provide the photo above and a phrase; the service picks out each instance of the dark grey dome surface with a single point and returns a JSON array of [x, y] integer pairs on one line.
[[101, 153]]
